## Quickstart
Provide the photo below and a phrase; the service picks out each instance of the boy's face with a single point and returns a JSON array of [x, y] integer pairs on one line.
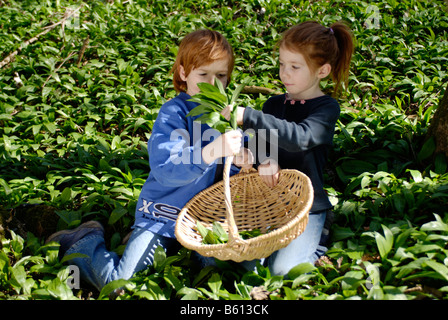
[[205, 73]]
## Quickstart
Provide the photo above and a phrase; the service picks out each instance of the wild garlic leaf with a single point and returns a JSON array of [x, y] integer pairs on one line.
[[217, 234], [237, 91], [207, 87], [201, 229], [205, 102], [213, 119], [215, 93], [201, 109], [221, 88], [220, 233], [212, 100], [208, 236]]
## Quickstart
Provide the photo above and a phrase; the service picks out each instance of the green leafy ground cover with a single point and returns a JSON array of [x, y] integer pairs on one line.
[[77, 106]]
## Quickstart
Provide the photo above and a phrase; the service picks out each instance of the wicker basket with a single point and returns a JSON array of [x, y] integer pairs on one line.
[[280, 213]]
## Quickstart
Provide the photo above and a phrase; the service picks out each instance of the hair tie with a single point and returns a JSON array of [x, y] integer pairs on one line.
[[331, 30]]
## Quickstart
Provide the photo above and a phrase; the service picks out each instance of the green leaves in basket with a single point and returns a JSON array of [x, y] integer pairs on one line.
[[217, 235], [212, 100], [247, 234]]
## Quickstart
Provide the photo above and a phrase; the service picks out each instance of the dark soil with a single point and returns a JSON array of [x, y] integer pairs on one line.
[[40, 220]]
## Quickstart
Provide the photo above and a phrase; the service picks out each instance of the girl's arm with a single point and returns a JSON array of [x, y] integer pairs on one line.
[[316, 129]]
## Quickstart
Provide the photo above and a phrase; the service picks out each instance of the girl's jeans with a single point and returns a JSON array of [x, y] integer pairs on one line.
[[305, 248], [102, 266]]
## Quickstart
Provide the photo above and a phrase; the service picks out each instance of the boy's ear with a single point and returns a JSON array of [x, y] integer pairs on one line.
[[182, 73], [324, 71]]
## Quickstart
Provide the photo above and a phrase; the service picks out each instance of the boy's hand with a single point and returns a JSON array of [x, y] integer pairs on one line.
[[269, 172], [227, 144], [244, 159]]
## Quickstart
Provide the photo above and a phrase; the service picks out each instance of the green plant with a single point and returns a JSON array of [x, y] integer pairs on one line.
[[40, 275], [78, 104], [212, 100], [217, 234]]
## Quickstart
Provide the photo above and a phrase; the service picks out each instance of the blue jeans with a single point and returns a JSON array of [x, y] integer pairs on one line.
[[305, 248], [102, 266]]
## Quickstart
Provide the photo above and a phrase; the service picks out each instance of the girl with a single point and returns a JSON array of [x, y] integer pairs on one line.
[[304, 119], [183, 162]]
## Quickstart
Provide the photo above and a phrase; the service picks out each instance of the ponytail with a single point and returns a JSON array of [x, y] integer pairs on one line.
[[341, 65], [320, 45]]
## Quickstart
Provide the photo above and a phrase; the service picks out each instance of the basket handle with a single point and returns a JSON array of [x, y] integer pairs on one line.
[[233, 229]]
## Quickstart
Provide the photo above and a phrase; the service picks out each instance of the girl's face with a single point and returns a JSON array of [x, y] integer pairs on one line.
[[300, 81], [205, 73]]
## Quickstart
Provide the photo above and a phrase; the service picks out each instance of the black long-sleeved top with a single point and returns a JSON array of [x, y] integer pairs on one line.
[[305, 132]]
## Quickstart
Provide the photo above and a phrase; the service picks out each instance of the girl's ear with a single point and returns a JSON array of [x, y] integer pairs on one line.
[[324, 71], [182, 75]]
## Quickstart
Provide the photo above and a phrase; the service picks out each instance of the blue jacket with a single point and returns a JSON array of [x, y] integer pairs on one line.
[[177, 170]]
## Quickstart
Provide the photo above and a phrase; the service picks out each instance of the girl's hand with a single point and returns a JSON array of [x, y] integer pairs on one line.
[[244, 159], [227, 144], [239, 117], [269, 172]]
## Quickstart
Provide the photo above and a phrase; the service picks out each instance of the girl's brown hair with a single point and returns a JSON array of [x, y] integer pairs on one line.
[[320, 45], [200, 48]]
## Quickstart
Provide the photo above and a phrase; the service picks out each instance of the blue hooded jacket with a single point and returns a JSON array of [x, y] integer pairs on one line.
[[178, 171]]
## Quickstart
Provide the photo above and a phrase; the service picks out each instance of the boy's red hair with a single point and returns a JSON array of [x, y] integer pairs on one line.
[[200, 48]]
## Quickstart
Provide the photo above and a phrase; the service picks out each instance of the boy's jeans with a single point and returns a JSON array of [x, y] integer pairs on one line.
[[102, 266]]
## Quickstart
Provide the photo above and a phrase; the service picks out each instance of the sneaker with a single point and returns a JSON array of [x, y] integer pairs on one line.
[[67, 238]]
